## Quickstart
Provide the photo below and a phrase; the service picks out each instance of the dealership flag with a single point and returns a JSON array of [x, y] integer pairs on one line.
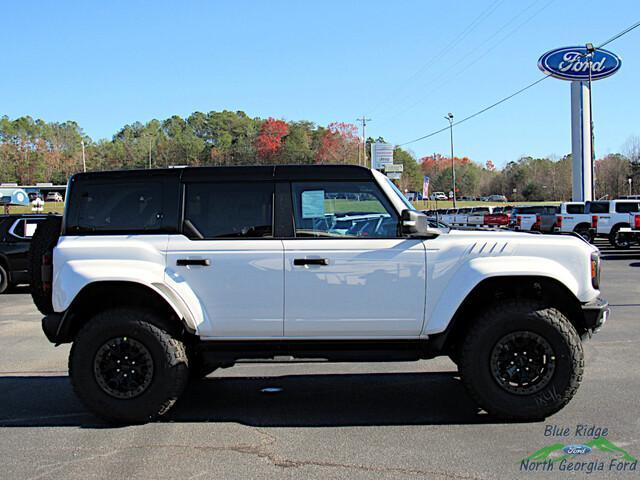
[[425, 187]]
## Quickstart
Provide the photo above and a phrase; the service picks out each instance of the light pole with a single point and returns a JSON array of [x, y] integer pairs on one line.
[[84, 162], [590, 51], [449, 117], [630, 180], [364, 121]]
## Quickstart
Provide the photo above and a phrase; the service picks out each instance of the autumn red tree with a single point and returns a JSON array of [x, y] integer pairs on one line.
[[269, 140], [339, 143]]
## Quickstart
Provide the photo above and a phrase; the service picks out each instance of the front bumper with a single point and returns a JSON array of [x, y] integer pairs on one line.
[[595, 312]]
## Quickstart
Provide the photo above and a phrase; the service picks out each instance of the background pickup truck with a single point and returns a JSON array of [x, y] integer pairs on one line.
[[573, 217], [499, 217], [628, 236], [540, 218], [476, 216], [608, 217]]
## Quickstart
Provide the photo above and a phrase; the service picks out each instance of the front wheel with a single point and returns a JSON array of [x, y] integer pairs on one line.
[[126, 368], [522, 361], [619, 240]]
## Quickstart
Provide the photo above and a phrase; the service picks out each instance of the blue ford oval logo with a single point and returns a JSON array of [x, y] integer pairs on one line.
[[576, 449], [571, 63]]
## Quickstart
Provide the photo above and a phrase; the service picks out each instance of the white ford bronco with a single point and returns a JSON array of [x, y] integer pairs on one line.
[[160, 276]]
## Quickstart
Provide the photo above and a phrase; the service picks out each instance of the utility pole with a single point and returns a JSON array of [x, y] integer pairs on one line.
[[363, 121], [84, 162], [449, 117]]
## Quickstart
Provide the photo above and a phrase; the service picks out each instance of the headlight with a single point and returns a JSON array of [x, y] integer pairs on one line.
[[595, 269]]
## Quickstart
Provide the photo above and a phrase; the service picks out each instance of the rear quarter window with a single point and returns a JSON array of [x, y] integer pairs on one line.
[[598, 207], [575, 209], [627, 207], [127, 206]]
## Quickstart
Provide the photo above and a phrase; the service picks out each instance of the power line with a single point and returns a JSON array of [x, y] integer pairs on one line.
[[617, 36], [442, 74], [479, 112], [446, 77], [448, 47]]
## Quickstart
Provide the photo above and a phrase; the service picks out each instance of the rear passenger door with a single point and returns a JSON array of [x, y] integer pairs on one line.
[[228, 256], [347, 271]]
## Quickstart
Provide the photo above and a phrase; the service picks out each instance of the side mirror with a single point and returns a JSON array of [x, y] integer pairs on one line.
[[415, 224]]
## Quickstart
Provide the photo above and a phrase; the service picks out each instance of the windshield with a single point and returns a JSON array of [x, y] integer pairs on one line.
[[406, 202]]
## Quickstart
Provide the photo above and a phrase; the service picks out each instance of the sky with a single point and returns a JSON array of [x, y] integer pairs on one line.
[[404, 64]]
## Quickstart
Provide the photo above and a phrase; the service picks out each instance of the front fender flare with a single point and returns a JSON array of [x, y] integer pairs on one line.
[[441, 310]]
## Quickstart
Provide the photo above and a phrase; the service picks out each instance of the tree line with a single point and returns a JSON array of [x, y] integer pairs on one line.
[[34, 151]]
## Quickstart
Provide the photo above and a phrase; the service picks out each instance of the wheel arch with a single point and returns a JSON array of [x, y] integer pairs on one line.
[[98, 296], [581, 225], [550, 292]]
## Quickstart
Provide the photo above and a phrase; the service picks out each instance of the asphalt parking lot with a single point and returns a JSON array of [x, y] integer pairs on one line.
[[400, 420]]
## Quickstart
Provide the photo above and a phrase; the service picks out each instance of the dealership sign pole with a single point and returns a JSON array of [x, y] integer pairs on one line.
[[580, 65]]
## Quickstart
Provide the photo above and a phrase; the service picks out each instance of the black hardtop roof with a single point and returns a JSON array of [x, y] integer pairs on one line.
[[246, 173]]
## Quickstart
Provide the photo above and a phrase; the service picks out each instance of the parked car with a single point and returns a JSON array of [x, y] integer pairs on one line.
[[159, 276], [53, 197], [461, 216], [628, 236], [574, 217], [499, 217], [33, 196], [497, 198], [476, 217], [16, 231], [609, 216], [438, 196], [540, 218], [449, 215]]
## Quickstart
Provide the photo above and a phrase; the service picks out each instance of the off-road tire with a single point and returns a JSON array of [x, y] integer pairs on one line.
[[521, 316], [4, 279], [169, 358], [43, 241], [617, 241], [585, 233]]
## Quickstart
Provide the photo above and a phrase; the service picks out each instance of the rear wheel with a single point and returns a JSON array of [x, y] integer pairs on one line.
[[522, 361], [4, 280], [126, 368], [619, 240]]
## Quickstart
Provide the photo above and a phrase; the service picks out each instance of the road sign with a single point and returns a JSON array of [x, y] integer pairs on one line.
[[394, 175], [392, 167], [572, 63], [381, 155]]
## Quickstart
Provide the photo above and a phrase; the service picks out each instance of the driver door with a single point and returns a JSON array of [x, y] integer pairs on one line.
[[348, 274]]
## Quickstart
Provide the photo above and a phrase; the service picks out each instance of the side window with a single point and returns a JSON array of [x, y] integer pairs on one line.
[[230, 209], [25, 228], [575, 208], [125, 206], [342, 209], [629, 207]]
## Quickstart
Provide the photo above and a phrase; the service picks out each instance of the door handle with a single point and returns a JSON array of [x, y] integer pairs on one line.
[[185, 262], [310, 261]]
